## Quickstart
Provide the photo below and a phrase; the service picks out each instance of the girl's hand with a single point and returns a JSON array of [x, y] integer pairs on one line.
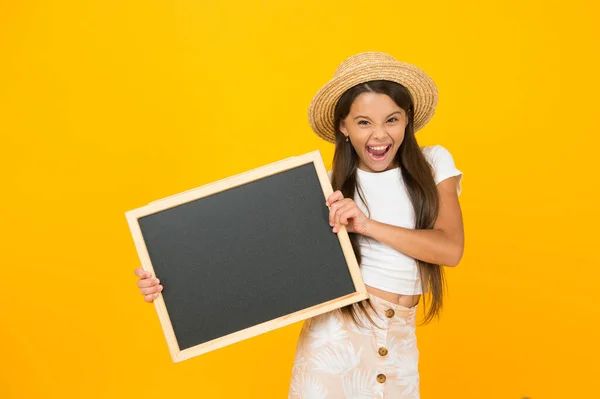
[[149, 287], [344, 211]]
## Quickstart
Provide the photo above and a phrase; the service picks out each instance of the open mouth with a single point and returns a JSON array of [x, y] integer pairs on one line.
[[379, 152]]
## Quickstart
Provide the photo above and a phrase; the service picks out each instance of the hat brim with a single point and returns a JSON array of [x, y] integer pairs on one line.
[[420, 86]]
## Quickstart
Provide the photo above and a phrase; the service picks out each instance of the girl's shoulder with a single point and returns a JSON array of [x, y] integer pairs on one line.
[[432, 152], [438, 156], [442, 163]]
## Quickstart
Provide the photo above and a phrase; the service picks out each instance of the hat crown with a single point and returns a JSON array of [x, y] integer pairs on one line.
[[362, 60]]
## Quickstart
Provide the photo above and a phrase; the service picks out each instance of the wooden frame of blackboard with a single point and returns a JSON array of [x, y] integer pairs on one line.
[[222, 185]]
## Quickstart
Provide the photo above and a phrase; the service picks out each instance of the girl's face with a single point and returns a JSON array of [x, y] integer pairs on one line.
[[375, 126]]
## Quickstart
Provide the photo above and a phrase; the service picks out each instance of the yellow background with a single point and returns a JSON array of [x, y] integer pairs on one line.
[[107, 105]]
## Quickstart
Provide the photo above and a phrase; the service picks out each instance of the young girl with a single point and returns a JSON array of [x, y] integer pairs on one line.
[[400, 205]]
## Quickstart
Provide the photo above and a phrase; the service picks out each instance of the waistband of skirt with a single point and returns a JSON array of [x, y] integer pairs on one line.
[[381, 305]]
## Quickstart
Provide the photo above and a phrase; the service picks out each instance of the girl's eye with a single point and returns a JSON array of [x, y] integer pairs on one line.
[[392, 120], [363, 122]]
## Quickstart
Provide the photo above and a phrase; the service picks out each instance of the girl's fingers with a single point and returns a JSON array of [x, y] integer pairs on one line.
[[150, 298], [341, 210], [148, 282], [342, 216], [347, 214], [141, 273], [334, 209], [151, 290], [336, 196], [149, 287]]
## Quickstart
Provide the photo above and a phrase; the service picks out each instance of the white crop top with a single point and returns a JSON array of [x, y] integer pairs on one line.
[[382, 266]]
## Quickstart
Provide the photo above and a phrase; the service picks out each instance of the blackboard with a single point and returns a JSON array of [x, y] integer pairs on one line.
[[245, 255]]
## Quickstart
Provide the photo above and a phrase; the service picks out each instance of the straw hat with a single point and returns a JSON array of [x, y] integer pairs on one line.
[[364, 67]]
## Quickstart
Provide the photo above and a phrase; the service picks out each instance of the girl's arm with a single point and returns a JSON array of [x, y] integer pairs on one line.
[[441, 245]]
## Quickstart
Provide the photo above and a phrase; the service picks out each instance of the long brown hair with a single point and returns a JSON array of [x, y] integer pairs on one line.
[[418, 179]]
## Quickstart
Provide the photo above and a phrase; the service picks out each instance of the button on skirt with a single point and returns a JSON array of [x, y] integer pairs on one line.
[[336, 358]]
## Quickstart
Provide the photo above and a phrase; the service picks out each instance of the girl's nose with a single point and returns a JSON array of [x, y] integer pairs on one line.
[[379, 131]]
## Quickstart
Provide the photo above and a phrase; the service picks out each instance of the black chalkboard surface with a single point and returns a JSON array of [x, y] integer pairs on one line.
[[245, 255]]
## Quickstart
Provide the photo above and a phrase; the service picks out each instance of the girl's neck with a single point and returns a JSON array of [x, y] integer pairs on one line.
[[390, 168]]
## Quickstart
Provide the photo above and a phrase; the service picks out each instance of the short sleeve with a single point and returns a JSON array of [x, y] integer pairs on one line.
[[443, 165]]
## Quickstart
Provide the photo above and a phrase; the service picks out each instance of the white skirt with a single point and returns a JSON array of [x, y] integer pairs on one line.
[[335, 358]]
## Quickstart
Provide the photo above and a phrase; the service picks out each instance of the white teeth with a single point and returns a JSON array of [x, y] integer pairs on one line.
[[380, 148]]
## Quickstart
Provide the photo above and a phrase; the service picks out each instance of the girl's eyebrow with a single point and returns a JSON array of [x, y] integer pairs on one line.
[[366, 117]]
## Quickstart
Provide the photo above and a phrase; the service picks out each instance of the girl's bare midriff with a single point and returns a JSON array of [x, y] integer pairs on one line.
[[405, 300]]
